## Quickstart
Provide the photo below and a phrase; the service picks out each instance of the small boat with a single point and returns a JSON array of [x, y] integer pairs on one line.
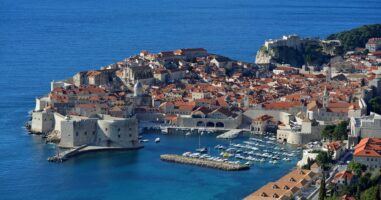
[[157, 140], [195, 155], [273, 161], [188, 134], [202, 150], [238, 156], [248, 163], [186, 154], [219, 147], [286, 159], [226, 155], [144, 140], [204, 156]]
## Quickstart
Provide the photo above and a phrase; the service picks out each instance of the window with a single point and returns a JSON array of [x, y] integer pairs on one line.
[[85, 132], [106, 129], [118, 129], [130, 135], [93, 132], [76, 133], [118, 135]]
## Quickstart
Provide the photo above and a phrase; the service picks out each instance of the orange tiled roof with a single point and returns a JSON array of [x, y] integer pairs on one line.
[[343, 175], [369, 147], [284, 187], [281, 105]]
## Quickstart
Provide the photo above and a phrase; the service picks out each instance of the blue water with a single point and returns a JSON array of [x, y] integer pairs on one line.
[[42, 40]]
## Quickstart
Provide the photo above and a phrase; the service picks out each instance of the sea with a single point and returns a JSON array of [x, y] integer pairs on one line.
[[45, 40]]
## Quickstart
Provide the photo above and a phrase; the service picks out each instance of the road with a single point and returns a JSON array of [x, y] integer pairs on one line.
[[342, 165]]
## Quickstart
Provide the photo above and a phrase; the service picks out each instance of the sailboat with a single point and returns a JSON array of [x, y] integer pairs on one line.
[[201, 149]]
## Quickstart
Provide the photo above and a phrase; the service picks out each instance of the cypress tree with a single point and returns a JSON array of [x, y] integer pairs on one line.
[[322, 191], [358, 191]]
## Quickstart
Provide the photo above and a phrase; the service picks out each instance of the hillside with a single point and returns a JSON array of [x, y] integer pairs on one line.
[[356, 37]]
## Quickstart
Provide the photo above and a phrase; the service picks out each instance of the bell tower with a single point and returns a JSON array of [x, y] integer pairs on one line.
[[325, 98]]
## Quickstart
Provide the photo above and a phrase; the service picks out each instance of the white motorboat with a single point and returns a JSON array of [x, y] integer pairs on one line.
[[286, 159], [202, 150], [157, 140], [186, 154]]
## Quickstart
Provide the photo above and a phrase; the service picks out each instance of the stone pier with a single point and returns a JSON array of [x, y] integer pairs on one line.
[[203, 163]]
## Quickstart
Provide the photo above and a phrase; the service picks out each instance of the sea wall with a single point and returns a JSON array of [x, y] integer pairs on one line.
[[118, 132], [42, 122], [78, 132]]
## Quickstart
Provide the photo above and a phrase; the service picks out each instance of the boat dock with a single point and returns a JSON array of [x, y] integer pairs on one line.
[[203, 163], [60, 157], [230, 134]]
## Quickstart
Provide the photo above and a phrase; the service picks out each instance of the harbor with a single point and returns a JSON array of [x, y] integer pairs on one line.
[[256, 150], [204, 163]]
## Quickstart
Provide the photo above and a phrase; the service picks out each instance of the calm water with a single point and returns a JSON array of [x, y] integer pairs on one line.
[[42, 40]]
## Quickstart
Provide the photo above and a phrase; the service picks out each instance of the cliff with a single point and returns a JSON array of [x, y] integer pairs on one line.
[[299, 52]]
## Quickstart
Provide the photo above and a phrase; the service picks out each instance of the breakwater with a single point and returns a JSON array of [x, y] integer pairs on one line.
[[203, 163], [85, 149]]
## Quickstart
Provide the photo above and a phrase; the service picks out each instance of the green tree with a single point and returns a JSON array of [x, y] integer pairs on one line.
[[310, 162], [324, 158], [322, 190], [356, 168], [357, 37], [358, 192], [372, 193], [327, 132], [375, 104], [332, 198], [336, 132], [364, 182], [340, 131]]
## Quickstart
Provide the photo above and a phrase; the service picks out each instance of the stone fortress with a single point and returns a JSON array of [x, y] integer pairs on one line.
[[72, 114], [266, 53], [94, 130]]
